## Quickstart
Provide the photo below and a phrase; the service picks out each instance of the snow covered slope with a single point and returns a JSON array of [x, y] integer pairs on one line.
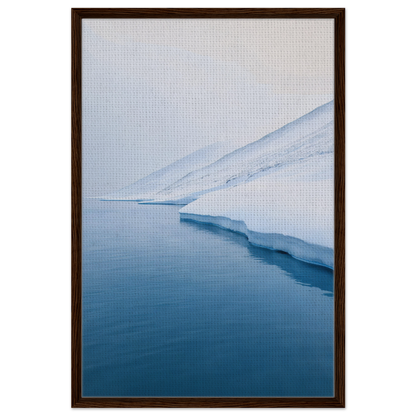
[[308, 136], [278, 190], [287, 203], [147, 187], [211, 169], [289, 210]]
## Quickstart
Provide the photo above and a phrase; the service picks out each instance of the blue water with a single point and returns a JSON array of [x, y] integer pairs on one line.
[[175, 308]]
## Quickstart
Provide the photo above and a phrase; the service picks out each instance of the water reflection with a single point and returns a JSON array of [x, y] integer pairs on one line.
[[303, 273]]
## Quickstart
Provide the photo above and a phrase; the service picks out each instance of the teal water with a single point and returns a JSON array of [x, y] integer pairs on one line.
[[174, 308]]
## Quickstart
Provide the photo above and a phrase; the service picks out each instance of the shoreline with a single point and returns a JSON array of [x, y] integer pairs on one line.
[[298, 249]]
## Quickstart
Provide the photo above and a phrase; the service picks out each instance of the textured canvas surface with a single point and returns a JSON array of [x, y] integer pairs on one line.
[[208, 199]]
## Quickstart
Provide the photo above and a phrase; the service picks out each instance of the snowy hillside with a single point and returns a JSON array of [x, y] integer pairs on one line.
[[278, 190], [289, 210], [147, 187], [307, 136], [288, 205], [197, 174]]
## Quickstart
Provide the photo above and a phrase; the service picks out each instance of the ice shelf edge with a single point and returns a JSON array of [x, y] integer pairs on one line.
[[309, 253]]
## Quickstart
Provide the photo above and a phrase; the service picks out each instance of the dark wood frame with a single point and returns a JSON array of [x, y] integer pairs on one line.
[[339, 272]]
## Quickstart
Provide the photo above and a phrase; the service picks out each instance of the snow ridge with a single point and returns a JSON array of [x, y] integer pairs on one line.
[[146, 188], [214, 168]]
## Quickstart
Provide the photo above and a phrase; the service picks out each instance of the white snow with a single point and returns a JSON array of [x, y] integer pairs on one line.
[[211, 168], [289, 206], [278, 190], [295, 247], [147, 187], [308, 136], [290, 210]]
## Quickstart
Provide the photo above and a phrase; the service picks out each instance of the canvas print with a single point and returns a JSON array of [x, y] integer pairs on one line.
[[207, 207]]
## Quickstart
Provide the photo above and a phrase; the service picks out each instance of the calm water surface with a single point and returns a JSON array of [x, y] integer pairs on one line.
[[175, 308]]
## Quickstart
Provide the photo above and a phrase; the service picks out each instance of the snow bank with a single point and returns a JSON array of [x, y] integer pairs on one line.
[[291, 210], [295, 247], [278, 190]]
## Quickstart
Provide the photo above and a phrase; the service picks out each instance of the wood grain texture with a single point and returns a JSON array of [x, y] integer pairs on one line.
[[76, 209], [338, 15], [194, 402], [339, 269], [254, 13]]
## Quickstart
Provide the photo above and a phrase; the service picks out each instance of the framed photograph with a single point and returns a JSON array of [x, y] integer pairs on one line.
[[208, 207]]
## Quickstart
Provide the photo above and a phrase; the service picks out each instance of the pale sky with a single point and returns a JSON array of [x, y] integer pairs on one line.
[[155, 90]]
